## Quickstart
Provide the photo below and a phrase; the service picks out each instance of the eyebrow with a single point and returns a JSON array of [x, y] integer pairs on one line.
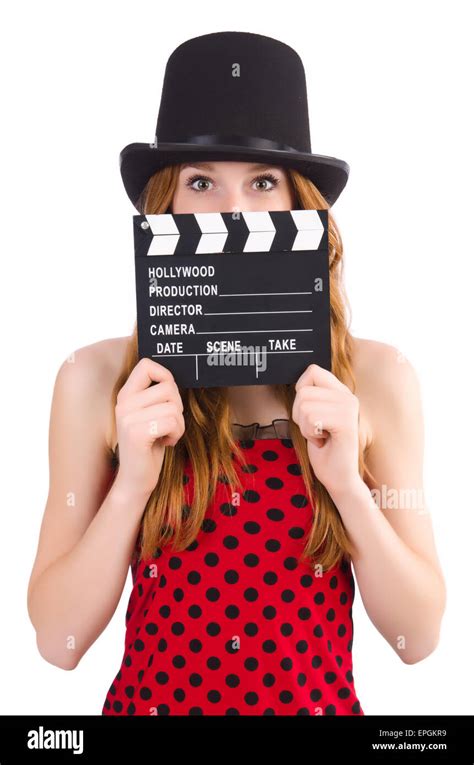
[[207, 166]]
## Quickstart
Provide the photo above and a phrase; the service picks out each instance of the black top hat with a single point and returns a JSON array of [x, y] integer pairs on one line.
[[233, 96]]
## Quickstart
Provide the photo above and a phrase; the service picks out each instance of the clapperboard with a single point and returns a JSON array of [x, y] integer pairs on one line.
[[233, 298]]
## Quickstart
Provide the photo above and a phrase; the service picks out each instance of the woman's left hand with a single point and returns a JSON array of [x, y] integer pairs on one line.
[[327, 414]]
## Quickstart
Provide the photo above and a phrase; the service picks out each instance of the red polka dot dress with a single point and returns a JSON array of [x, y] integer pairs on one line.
[[235, 624]]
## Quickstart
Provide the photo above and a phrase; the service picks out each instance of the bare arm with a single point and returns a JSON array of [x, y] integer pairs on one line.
[[76, 581], [73, 600], [90, 523], [396, 564]]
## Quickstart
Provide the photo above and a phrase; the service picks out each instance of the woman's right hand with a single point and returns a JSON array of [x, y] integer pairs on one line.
[[148, 418]]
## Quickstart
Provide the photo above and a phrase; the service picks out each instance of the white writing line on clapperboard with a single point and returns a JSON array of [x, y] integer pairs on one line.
[[207, 354], [253, 294], [244, 313]]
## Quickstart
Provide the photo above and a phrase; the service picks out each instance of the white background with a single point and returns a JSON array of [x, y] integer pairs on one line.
[[390, 91]]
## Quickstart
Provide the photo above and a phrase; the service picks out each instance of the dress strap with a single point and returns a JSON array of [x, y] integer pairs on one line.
[[278, 428]]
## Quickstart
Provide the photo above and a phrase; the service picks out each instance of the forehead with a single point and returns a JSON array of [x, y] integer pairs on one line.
[[242, 167]]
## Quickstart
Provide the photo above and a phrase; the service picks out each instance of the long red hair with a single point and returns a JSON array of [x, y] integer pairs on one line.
[[208, 439]]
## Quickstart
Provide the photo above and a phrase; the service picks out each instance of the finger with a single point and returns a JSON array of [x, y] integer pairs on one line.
[[155, 394], [316, 393], [316, 375], [326, 412], [150, 414], [144, 373], [168, 427]]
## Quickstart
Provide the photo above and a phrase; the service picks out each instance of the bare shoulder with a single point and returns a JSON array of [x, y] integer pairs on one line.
[[386, 383], [88, 376]]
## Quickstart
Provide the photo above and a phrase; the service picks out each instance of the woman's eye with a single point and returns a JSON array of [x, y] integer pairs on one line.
[[198, 183], [266, 182]]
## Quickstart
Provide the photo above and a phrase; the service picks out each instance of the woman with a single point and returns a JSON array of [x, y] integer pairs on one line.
[[240, 509]]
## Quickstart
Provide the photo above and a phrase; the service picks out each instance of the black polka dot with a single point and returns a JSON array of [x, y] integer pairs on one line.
[[251, 664], [251, 698], [275, 514], [296, 532], [294, 469], [272, 545], [343, 693], [228, 509], [299, 500], [270, 455], [269, 646], [251, 594], [230, 542], [274, 483], [269, 612], [208, 525], [251, 629], [251, 496], [251, 560], [251, 527]]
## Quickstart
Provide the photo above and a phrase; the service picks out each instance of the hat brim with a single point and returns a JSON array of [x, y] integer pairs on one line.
[[139, 161]]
